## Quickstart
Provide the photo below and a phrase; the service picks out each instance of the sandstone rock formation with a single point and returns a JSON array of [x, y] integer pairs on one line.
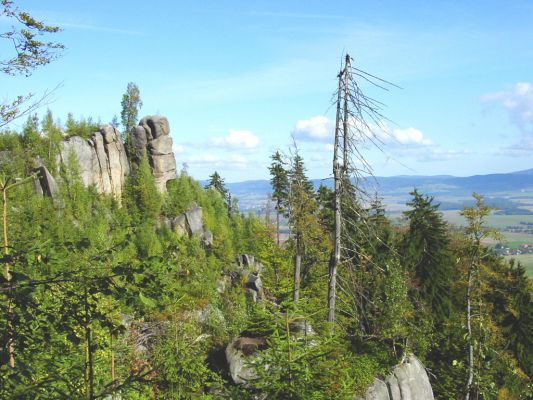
[[249, 271], [44, 184], [191, 223], [408, 381], [102, 160], [152, 138]]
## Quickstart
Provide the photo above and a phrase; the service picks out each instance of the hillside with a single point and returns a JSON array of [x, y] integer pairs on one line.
[[453, 192]]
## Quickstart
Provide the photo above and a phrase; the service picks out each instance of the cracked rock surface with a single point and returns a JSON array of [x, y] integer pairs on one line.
[[102, 160]]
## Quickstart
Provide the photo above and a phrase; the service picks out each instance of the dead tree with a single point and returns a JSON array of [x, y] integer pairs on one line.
[[357, 120]]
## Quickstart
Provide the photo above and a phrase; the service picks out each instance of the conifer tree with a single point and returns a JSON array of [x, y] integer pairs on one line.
[[216, 182], [131, 103], [302, 217], [425, 253], [280, 187]]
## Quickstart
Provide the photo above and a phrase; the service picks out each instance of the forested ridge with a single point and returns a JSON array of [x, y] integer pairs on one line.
[[101, 297], [125, 279]]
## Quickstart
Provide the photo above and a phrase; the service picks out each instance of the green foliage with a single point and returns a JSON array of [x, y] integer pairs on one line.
[[105, 299], [142, 198], [425, 253], [30, 52], [131, 103], [83, 128], [295, 366]]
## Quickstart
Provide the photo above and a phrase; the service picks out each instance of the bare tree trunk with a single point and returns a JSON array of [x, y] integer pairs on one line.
[[335, 260], [268, 207], [297, 269], [289, 352], [10, 349], [111, 345], [89, 374], [470, 380], [345, 129], [277, 221]]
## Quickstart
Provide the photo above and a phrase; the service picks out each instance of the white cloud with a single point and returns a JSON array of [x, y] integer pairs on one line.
[[321, 129], [314, 129], [237, 139], [410, 136], [518, 101], [406, 137]]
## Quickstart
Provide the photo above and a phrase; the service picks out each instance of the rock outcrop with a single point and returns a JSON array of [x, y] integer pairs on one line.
[[408, 381], [240, 354], [102, 160], [152, 138], [44, 183], [249, 270], [191, 223]]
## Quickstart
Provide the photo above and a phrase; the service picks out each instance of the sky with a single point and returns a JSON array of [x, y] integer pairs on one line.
[[239, 80]]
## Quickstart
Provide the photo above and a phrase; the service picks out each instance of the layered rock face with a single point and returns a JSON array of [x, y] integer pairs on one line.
[[190, 223], [408, 381], [152, 138], [102, 160]]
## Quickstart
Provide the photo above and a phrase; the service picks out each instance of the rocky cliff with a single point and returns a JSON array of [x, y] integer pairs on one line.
[[102, 160], [152, 138]]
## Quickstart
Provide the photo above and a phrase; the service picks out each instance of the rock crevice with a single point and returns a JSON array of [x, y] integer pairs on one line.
[[102, 160], [151, 138]]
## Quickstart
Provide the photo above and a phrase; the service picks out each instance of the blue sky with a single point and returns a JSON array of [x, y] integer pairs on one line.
[[237, 78]]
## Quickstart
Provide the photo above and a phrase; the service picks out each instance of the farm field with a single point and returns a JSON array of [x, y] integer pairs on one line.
[[510, 239], [526, 260]]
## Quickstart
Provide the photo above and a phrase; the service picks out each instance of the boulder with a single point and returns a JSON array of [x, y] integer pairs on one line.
[[248, 270], [407, 381], [44, 183], [102, 160], [207, 238], [190, 223], [254, 285], [194, 219], [240, 354], [152, 138], [179, 225]]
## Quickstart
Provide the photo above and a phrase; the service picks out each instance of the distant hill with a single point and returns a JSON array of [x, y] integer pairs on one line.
[[453, 192]]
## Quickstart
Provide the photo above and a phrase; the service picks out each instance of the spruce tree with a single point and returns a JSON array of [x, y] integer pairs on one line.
[[425, 253], [216, 182], [280, 187], [303, 219]]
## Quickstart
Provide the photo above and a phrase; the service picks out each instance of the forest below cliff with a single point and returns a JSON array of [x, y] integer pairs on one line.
[[137, 294]]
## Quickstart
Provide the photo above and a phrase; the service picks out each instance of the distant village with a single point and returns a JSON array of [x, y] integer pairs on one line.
[[503, 250]]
